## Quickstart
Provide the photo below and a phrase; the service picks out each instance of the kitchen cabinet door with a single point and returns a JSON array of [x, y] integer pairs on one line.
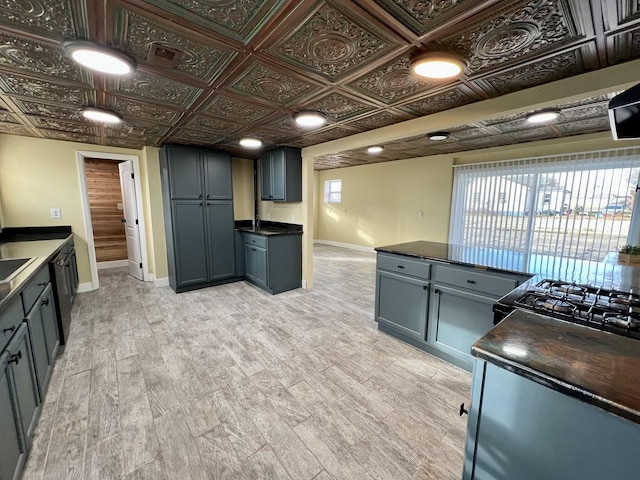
[[278, 174], [12, 452], [461, 318], [281, 175], [189, 242], [185, 172], [261, 275], [402, 303], [266, 190], [249, 261], [217, 170], [221, 249]]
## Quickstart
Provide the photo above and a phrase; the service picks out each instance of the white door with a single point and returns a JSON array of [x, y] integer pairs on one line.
[[131, 218]]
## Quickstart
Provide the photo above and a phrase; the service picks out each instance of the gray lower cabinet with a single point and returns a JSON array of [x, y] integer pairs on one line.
[[273, 262], [12, 453], [189, 242], [221, 248], [520, 429]]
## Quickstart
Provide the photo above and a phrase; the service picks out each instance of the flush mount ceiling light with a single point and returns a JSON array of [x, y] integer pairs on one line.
[[438, 136], [250, 142], [438, 65], [98, 57], [542, 116], [100, 115], [309, 119], [374, 150]]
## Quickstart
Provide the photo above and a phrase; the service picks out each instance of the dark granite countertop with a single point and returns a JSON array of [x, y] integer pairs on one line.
[[268, 228], [598, 367]]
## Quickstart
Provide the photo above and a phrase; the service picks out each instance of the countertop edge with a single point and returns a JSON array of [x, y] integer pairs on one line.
[[268, 233]]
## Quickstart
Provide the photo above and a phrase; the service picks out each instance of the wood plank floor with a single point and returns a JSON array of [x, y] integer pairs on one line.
[[232, 383]]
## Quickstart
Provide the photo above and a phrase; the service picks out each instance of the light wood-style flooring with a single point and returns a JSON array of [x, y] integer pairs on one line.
[[232, 383]]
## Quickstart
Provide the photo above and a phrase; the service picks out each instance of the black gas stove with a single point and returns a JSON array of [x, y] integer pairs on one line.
[[609, 310]]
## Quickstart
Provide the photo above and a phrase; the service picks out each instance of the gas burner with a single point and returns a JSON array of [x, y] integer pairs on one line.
[[568, 289], [556, 305], [627, 300], [626, 321]]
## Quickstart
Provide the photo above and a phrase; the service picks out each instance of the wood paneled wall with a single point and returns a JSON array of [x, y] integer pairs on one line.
[[103, 189]]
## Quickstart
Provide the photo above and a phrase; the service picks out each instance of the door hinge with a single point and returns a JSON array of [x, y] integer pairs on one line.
[[132, 175], [136, 221], [140, 264]]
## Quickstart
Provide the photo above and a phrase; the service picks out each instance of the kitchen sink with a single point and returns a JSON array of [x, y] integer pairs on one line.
[[11, 267]]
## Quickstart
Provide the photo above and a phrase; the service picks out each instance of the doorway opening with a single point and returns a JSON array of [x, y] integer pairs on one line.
[[113, 216]]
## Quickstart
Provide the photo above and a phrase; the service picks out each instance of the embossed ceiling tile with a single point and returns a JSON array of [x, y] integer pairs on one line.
[[53, 124], [587, 111], [270, 85], [484, 142], [518, 30], [338, 107], [50, 111], [212, 125], [455, 97], [629, 12], [513, 126], [287, 124], [22, 53], [124, 143], [69, 136], [421, 17], [264, 134], [8, 117], [14, 129], [531, 134], [635, 44], [14, 84], [195, 136], [156, 89], [588, 125], [393, 82], [332, 134], [57, 19], [299, 142], [237, 19], [377, 120], [560, 66], [466, 133], [333, 41], [136, 34], [144, 111], [234, 109]]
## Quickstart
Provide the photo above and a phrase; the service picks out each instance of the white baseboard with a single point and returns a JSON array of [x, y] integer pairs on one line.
[[85, 287], [159, 282], [112, 264], [304, 284], [352, 246]]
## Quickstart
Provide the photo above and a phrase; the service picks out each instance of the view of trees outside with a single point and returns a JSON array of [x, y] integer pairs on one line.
[[581, 215]]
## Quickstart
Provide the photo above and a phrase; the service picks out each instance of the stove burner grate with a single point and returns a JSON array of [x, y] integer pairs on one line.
[[556, 305]]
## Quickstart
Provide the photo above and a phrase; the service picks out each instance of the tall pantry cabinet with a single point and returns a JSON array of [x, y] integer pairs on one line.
[[197, 195]]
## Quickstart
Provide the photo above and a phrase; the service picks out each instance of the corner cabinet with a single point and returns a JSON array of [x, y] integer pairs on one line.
[[281, 175], [197, 193], [273, 262]]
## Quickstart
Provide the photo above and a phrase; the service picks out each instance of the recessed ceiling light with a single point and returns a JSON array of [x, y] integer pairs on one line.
[[250, 142], [542, 116], [98, 57], [438, 136], [309, 119], [438, 65], [100, 115], [374, 150]]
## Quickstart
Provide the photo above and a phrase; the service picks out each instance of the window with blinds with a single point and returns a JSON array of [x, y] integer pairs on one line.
[[546, 214]]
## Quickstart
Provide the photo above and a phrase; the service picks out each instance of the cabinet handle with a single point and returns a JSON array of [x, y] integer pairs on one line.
[[424, 287], [200, 196], [42, 284], [45, 302], [200, 203], [471, 282], [435, 290], [207, 195], [464, 411], [16, 358], [400, 266], [253, 249], [9, 330]]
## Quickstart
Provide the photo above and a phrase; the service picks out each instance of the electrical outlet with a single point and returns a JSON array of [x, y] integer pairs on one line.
[[56, 213], [119, 206]]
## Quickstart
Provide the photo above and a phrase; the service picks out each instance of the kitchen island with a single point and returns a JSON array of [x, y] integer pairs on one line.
[[552, 399]]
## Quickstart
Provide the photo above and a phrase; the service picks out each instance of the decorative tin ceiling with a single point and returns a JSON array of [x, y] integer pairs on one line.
[[210, 72]]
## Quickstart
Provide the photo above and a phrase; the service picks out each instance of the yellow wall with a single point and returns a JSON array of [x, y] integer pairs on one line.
[[242, 172], [154, 219]]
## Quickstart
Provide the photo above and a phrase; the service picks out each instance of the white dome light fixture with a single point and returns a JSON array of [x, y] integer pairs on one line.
[[542, 116], [374, 150], [99, 58], [100, 115], [309, 119], [438, 65], [438, 136], [250, 142]]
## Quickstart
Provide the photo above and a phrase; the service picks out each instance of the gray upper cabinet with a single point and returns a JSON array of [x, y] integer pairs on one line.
[[197, 196], [281, 175]]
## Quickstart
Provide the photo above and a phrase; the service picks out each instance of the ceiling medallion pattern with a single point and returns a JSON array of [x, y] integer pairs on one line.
[[6, 117], [48, 91], [333, 42], [377, 120], [211, 124], [272, 86], [186, 135], [136, 34], [513, 32], [421, 16], [69, 136], [560, 66], [392, 82], [442, 101], [143, 111], [157, 89], [338, 107], [53, 124], [50, 111], [36, 57], [54, 18], [237, 110]]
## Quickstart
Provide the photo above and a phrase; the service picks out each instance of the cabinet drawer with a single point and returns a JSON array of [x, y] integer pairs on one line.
[[35, 288], [10, 320], [257, 240], [475, 281], [404, 265]]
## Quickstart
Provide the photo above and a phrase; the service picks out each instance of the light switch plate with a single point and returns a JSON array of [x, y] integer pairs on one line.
[[56, 213]]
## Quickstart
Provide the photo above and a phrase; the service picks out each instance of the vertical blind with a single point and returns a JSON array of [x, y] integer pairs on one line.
[[546, 213]]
